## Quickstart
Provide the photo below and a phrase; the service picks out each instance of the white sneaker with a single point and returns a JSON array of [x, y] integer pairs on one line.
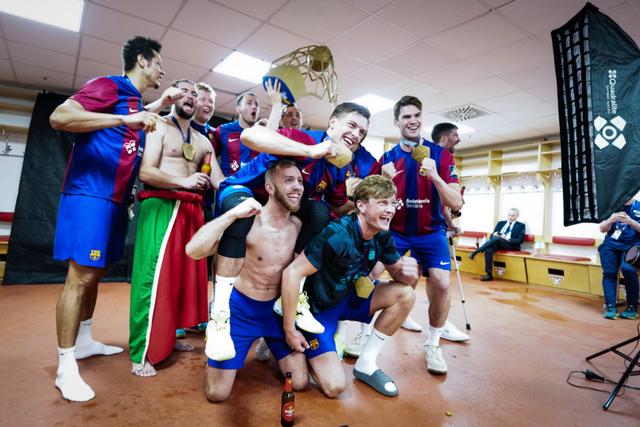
[[340, 345], [451, 333], [435, 361], [411, 325], [304, 318], [355, 346], [262, 351], [219, 345]]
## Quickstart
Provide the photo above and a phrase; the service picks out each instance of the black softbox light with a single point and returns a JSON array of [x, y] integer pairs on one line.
[[598, 77]]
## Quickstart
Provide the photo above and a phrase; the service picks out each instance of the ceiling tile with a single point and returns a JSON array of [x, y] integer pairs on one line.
[[546, 92], [365, 81], [627, 17], [3, 49], [428, 17], [407, 87], [529, 77], [117, 27], [535, 16], [261, 9], [311, 105], [369, 5], [6, 72], [317, 21], [175, 70], [192, 50], [510, 101], [228, 84], [345, 64], [39, 57], [478, 36], [90, 68], [524, 113], [34, 75], [270, 43], [213, 22], [159, 11], [373, 39], [416, 60], [475, 92], [43, 36], [101, 51]]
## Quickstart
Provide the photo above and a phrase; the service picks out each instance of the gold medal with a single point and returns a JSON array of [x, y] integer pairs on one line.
[[364, 287], [188, 151]]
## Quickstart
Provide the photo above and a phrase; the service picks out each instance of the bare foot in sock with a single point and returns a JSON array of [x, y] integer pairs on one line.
[[95, 348], [71, 385], [143, 370], [183, 346]]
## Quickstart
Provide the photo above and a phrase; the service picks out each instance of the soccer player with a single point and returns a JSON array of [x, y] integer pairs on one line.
[[108, 116], [336, 264], [169, 290], [270, 244], [419, 224]]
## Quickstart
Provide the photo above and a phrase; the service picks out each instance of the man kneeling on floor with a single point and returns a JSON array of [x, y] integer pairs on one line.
[[270, 246], [336, 264]]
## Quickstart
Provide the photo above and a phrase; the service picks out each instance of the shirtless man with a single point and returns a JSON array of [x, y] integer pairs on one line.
[[270, 247], [168, 290]]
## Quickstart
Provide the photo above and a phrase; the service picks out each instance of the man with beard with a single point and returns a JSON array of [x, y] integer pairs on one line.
[[270, 245], [324, 189], [168, 290], [233, 154], [423, 190], [111, 127], [291, 117], [336, 264]]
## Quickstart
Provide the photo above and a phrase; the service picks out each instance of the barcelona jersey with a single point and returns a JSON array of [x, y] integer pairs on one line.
[[419, 209], [104, 163], [233, 154]]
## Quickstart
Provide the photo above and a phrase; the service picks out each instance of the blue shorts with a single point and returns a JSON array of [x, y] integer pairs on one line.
[[352, 307], [430, 250], [250, 320], [90, 230]]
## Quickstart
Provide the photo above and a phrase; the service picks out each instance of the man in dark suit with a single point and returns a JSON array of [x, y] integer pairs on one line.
[[508, 235]]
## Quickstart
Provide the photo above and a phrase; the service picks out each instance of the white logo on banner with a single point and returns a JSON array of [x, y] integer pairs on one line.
[[610, 132]]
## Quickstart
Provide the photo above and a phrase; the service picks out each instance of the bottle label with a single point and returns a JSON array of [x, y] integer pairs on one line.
[[288, 411]]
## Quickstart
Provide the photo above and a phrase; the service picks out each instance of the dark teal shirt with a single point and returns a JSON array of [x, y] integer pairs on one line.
[[341, 256]]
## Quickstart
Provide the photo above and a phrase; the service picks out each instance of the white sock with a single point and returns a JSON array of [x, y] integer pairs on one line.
[[68, 379], [341, 330], [222, 294], [86, 346], [433, 338], [367, 361], [302, 284], [366, 328]]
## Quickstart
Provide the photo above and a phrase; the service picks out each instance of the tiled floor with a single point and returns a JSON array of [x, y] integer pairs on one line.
[[513, 372]]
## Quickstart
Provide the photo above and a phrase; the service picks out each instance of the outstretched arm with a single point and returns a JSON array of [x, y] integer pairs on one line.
[[168, 98], [265, 140], [205, 242]]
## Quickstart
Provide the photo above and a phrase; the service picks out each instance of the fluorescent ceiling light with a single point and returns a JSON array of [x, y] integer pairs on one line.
[[374, 103], [243, 67], [65, 14]]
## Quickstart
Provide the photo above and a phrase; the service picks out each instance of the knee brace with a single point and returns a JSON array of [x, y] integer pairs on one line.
[[315, 216], [233, 243]]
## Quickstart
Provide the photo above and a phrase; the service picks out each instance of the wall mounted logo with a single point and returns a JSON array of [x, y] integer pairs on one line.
[[610, 132]]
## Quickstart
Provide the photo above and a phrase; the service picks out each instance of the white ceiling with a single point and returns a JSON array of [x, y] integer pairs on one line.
[[496, 54]]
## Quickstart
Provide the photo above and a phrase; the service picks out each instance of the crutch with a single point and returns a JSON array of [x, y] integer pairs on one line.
[[455, 261]]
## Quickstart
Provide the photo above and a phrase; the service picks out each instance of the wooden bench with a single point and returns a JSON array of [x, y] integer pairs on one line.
[[570, 272], [474, 266]]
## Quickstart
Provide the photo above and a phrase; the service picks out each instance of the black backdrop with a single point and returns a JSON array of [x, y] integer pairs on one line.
[[33, 229]]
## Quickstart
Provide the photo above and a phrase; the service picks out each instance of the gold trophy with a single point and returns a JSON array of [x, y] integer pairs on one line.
[[307, 71], [420, 153]]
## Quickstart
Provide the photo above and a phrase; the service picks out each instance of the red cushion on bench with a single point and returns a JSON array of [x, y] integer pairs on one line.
[[529, 238], [513, 252], [476, 234], [6, 216], [562, 257], [574, 241], [4, 238]]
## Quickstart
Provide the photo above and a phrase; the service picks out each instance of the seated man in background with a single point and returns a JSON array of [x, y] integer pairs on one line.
[[623, 231], [507, 236]]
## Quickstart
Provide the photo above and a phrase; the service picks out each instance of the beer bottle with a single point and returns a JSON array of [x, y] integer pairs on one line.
[[288, 399], [206, 164]]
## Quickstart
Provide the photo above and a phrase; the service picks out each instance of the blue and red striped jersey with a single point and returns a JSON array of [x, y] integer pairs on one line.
[[104, 163], [207, 130], [233, 154], [419, 205], [322, 180], [363, 164]]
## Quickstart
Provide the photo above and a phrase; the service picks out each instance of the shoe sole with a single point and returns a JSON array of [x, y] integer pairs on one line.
[[434, 371]]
